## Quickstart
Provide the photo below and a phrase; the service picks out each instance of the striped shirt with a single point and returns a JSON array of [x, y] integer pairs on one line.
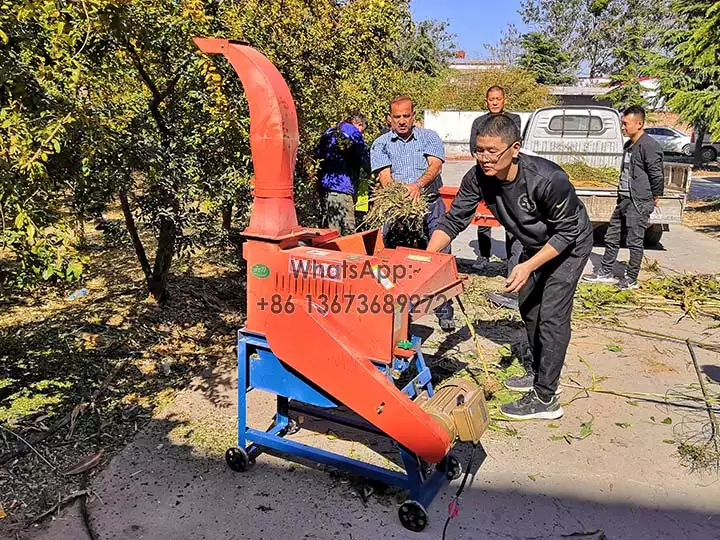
[[408, 159]]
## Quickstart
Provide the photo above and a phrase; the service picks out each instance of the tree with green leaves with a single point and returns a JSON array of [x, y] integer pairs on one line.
[[42, 66], [586, 29], [690, 73], [597, 34], [425, 47], [644, 23], [110, 98], [465, 91], [544, 57]]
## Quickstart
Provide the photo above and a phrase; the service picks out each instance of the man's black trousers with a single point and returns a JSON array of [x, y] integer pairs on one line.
[[484, 241], [546, 303], [513, 248], [635, 219]]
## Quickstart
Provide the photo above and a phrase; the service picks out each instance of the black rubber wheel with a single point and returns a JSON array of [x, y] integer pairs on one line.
[[238, 459], [453, 468], [413, 516], [708, 153], [687, 150]]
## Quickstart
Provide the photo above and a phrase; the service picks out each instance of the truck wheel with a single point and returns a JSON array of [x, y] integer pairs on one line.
[[687, 150], [708, 153], [653, 234]]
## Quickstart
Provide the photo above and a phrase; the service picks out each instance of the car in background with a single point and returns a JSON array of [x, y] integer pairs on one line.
[[671, 140], [710, 150]]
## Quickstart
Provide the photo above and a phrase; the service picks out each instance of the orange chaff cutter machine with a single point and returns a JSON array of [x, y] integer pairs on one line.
[[328, 320]]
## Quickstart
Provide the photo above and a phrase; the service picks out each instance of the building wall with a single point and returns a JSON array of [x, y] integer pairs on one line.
[[666, 118], [454, 129], [584, 100]]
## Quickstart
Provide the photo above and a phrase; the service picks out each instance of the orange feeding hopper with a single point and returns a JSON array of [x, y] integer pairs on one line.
[[483, 216], [328, 318]]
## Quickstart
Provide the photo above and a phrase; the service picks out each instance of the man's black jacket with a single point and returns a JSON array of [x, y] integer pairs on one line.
[[539, 207], [480, 119], [647, 178]]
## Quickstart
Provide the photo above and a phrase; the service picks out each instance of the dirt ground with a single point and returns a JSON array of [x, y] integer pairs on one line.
[[703, 209], [609, 469]]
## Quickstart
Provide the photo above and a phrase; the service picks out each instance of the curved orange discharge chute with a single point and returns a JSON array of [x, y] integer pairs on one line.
[[273, 136], [321, 349]]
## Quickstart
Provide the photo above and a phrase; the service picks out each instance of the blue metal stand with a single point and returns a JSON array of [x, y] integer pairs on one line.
[[259, 368]]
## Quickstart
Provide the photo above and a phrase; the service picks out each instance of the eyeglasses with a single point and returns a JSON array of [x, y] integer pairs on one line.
[[490, 157]]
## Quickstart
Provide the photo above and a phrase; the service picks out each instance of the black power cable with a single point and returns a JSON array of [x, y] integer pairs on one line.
[[454, 506]]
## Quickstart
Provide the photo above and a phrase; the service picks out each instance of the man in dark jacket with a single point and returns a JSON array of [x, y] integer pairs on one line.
[[495, 102], [642, 182], [535, 201]]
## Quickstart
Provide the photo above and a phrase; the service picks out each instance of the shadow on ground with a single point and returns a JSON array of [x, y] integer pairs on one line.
[[80, 375], [158, 490]]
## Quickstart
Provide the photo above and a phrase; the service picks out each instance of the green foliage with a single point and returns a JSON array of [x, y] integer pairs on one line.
[[690, 72], [597, 34], [466, 91], [40, 71], [544, 57], [425, 48], [106, 96], [643, 24], [633, 59], [43, 254], [583, 175], [586, 30], [599, 299]]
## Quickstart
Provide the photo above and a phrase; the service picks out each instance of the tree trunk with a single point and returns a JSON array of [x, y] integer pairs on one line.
[[163, 261], [700, 130], [80, 229], [227, 216], [132, 229]]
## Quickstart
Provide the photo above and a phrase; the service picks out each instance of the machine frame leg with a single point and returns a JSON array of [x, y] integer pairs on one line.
[[259, 368]]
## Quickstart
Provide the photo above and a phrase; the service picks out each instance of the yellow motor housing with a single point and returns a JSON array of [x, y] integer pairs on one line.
[[459, 406]]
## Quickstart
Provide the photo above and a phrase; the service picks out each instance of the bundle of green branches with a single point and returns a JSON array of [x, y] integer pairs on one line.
[[692, 293], [599, 301], [390, 204], [583, 175], [689, 294]]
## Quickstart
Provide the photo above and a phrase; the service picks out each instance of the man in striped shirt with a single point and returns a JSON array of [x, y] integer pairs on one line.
[[413, 156]]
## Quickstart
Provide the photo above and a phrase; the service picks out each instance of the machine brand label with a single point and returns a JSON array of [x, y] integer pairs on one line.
[[260, 271]]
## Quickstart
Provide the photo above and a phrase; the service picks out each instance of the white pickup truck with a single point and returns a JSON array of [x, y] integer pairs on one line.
[[593, 135]]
